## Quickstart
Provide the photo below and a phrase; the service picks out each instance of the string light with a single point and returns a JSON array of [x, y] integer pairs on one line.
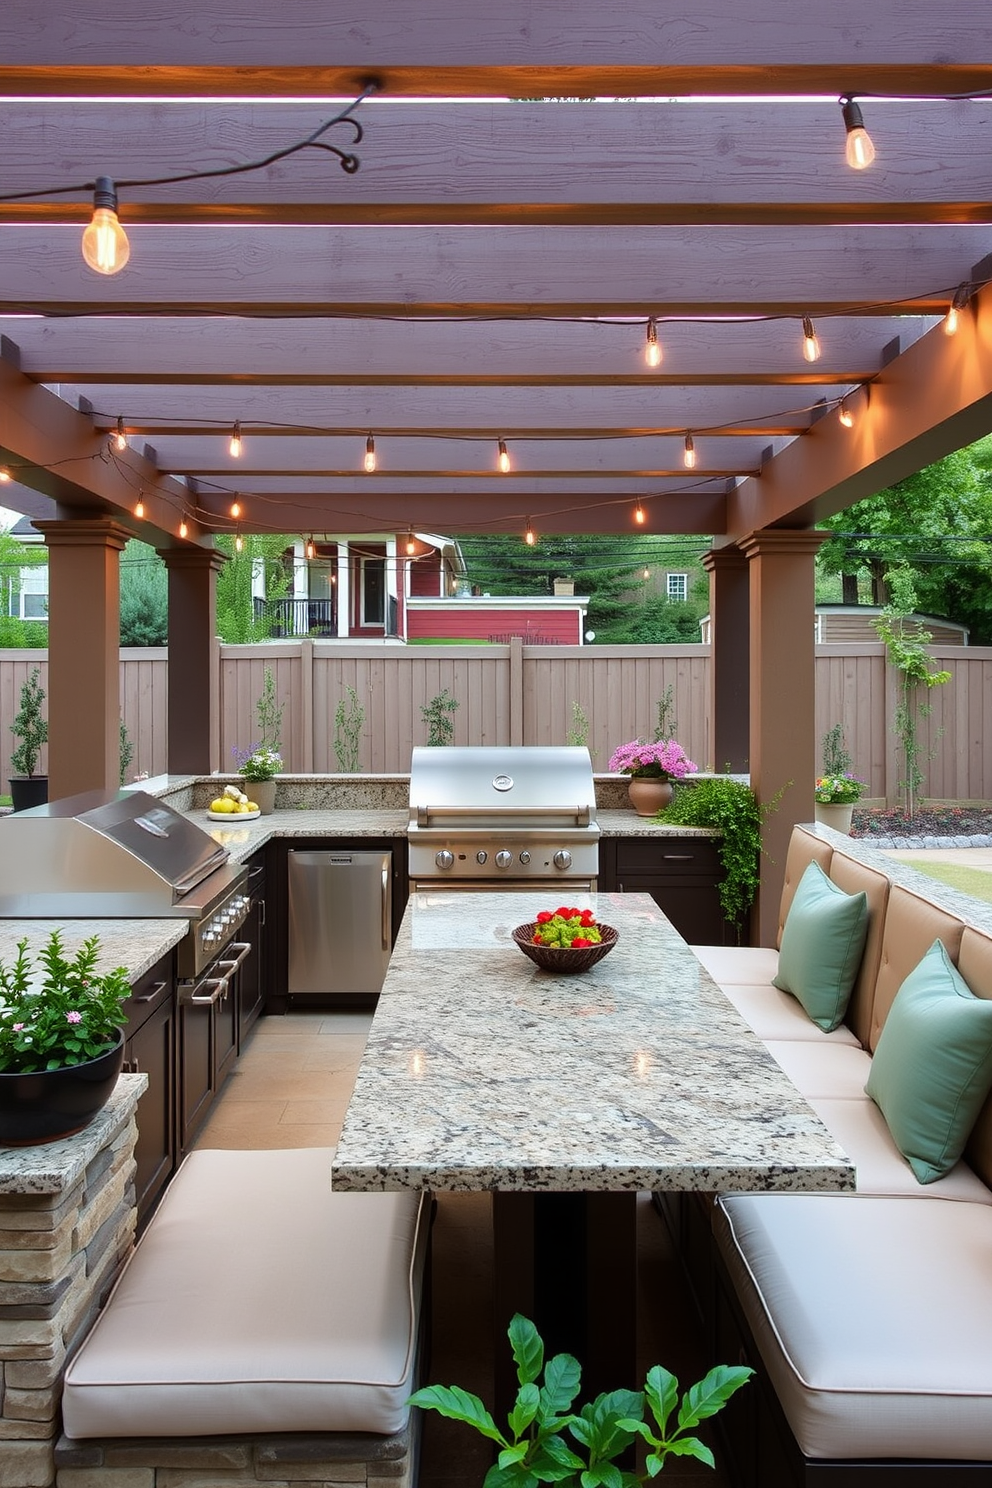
[[530, 536], [811, 346], [4, 474], [652, 348], [845, 416], [370, 454], [235, 508], [120, 438], [139, 506], [310, 549], [859, 152], [183, 529], [235, 447], [952, 319], [503, 459], [689, 453], [639, 514], [411, 546], [239, 544], [646, 574], [105, 245]]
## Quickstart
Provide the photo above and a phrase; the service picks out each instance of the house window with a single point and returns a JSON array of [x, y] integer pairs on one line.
[[34, 593], [373, 591], [678, 586]]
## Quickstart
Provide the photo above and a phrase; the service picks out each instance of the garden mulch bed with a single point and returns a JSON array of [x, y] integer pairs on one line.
[[931, 825]]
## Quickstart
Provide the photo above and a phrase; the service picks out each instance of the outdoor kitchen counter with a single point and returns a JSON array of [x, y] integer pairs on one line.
[[134, 944], [483, 1072]]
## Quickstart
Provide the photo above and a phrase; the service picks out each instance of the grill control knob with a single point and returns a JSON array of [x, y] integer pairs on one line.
[[504, 859], [562, 858], [525, 856], [444, 859], [482, 857]]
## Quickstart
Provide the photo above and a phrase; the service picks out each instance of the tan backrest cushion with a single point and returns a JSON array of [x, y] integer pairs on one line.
[[853, 877], [911, 926], [804, 849], [975, 965]]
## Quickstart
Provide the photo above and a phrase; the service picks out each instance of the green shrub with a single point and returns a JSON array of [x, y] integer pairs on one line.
[[731, 807]]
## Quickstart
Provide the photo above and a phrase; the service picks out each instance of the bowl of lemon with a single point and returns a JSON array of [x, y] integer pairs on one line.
[[233, 803]]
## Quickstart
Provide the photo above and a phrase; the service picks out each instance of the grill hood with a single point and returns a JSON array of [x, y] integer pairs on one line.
[[122, 854], [500, 784]]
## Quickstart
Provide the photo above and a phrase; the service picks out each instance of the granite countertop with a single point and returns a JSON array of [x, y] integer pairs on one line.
[[482, 1071], [133, 944]]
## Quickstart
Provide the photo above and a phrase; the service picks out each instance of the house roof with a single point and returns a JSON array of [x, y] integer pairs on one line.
[[489, 270]]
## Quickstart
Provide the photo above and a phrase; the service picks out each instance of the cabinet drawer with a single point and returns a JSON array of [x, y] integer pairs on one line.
[[672, 857]]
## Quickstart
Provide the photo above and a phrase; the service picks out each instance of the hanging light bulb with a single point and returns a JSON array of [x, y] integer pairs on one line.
[[120, 438], [370, 454], [239, 544], [845, 415], [235, 447], [639, 514], [652, 348], [4, 474], [183, 529], [411, 546], [811, 346], [689, 453], [139, 506], [105, 245], [646, 574], [859, 152], [953, 317], [310, 547], [503, 458], [235, 508], [530, 536]]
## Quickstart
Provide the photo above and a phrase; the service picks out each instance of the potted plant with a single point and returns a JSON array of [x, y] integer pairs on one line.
[[31, 728], [836, 790], [547, 1441], [61, 1040], [258, 767], [652, 768]]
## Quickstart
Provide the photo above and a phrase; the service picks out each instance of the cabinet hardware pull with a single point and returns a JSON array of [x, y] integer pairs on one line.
[[677, 857], [261, 911], [151, 996]]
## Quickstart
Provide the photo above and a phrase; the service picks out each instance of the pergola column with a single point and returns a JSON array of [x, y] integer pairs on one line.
[[729, 657], [84, 712], [194, 660], [782, 748]]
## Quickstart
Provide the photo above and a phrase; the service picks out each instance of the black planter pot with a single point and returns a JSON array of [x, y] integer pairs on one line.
[[28, 790], [50, 1104]]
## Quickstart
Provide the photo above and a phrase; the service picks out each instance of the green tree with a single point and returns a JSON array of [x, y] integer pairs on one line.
[[236, 619], [15, 556], [144, 588], [938, 524]]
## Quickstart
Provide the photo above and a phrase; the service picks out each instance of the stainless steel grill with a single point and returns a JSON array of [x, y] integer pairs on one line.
[[122, 855], [486, 817]]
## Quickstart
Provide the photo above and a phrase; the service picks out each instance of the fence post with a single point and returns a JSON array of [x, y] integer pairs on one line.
[[516, 690], [307, 741]]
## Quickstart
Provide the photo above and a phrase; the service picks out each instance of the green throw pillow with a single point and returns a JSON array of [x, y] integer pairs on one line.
[[822, 941], [932, 1067]]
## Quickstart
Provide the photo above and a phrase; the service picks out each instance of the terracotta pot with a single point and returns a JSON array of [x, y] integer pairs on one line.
[[648, 795], [836, 816], [49, 1104], [263, 793]]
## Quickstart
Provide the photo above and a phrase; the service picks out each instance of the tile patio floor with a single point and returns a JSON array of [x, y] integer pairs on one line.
[[291, 1087]]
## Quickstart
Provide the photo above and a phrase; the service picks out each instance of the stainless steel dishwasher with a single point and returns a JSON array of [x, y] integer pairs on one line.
[[340, 919]]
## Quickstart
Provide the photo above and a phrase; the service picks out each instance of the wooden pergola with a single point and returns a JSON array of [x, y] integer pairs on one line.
[[538, 180]]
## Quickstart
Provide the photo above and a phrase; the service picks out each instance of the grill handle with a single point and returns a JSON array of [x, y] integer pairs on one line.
[[580, 816]]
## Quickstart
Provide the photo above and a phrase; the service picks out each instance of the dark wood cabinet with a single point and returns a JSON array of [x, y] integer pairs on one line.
[[150, 1049], [253, 975], [196, 1042], [682, 875]]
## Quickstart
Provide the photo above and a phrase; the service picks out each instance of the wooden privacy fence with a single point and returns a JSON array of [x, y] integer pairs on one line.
[[517, 694]]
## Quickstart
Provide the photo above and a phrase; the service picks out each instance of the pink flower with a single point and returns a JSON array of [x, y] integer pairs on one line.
[[18, 1027], [74, 1017]]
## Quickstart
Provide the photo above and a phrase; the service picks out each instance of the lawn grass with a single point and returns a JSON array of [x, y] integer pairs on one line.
[[974, 881]]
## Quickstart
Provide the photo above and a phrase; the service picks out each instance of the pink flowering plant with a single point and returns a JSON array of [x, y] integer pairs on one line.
[[665, 759], [60, 1013]]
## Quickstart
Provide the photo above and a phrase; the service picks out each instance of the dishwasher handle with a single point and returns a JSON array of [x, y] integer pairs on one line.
[[384, 887]]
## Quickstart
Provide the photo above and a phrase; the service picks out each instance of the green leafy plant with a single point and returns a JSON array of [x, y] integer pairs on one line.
[[349, 719], [836, 760], [578, 734], [546, 1441], [906, 642], [665, 727], [126, 751], [62, 1015], [437, 714], [732, 808], [29, 726], [269, 714]]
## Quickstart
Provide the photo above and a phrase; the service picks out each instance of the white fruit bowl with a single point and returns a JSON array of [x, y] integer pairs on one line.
[[233, 816]]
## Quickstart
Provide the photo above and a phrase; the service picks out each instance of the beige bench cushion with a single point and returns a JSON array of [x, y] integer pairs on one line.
[[735, 966], [776, 1015], [257, 1301], [859, 1127], [854, 878], [912, 924], [873, 1318], [823, 1070]]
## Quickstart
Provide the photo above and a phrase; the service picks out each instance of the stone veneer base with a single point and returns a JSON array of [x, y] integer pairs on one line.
[[319, 1460]]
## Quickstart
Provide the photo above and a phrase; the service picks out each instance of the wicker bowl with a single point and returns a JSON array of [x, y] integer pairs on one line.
[[560, 958]]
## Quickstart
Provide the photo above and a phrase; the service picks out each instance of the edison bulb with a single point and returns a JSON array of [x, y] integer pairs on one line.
[[370, 455], [105, 245]]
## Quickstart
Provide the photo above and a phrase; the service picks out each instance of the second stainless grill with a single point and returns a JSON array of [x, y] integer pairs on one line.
[[489, 817]]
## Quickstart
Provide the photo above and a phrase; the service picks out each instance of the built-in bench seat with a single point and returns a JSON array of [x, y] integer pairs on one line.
[[262, 1321], [867, 1315]]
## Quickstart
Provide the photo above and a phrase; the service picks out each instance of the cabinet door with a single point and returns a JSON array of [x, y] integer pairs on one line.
[[197, 1024], [252, 975], [150, 1049], [682, 875]]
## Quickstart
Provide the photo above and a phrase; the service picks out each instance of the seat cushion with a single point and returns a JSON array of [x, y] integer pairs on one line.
[[872, 1317], [257, 1301], [821, 1069], [821, 948], [738, 965], [858, 1126], [777, 1015], [933, 1065]]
